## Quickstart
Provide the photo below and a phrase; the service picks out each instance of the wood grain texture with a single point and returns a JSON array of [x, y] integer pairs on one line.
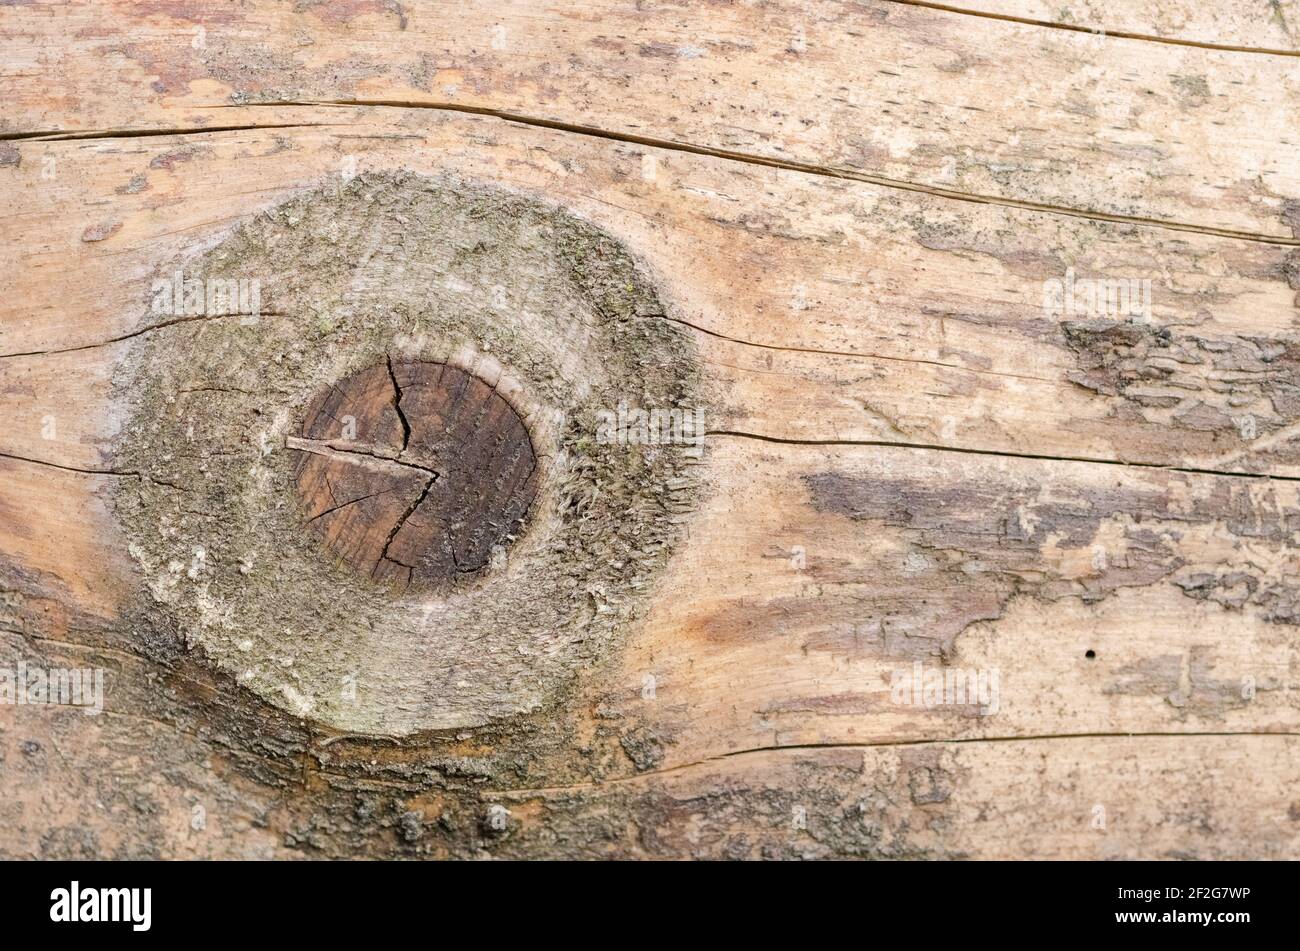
[[901, 317], [912, 463], [1105, 126], [1238, 25], [434, 469]]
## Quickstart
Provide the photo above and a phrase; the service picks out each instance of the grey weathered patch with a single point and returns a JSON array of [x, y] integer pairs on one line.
[[1234, 589], [1291, 216], [1212, 394], [976, 543], [1192, 90], [1186, 681], [413, 268]]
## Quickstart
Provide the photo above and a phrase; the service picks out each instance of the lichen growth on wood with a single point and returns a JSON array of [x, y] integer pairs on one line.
[[416, 269]]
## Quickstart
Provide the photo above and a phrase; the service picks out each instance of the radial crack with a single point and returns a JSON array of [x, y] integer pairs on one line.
[[397, 527], [397, 405], [343, 505]]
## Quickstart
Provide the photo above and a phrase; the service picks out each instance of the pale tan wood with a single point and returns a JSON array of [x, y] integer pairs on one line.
[[816, 574], [1242, 24], [986, 801], [813, 574], [909, 461], [60, 537], [807, 293], [1099, 798], [1099, 125]]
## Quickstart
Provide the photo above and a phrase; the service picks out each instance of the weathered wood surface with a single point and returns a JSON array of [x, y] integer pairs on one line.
[[1238, 25], [1111, 127], [908, 461]]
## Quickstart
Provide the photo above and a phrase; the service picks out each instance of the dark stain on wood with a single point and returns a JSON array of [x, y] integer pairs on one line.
[[975, 542], [1214, 394], [415, 473]]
